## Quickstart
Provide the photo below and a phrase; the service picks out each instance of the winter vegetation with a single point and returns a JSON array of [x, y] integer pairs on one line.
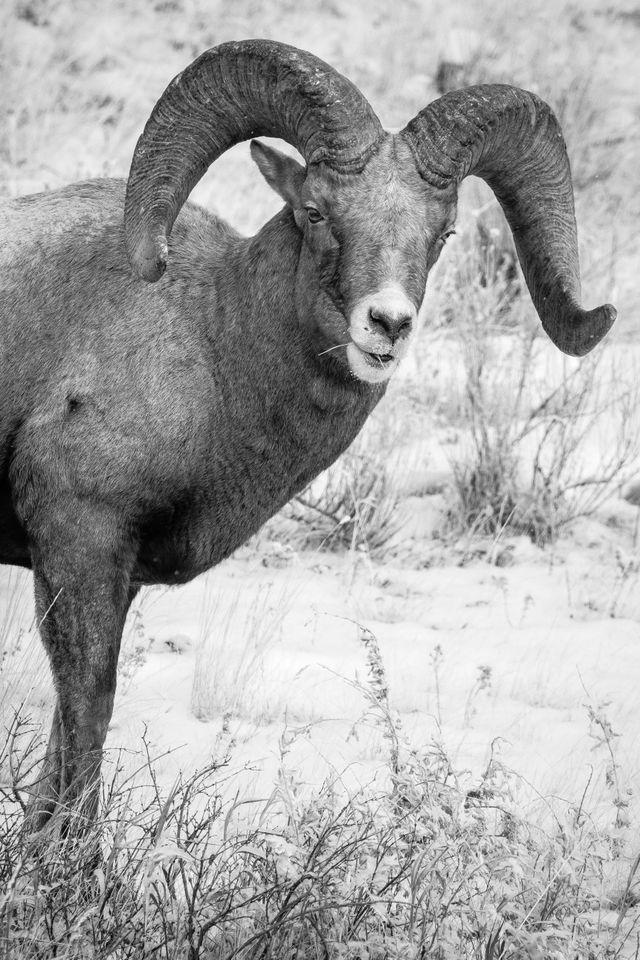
[[400, 722]]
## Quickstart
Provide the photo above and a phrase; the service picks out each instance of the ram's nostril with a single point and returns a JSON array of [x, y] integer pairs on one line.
[[393, 325]]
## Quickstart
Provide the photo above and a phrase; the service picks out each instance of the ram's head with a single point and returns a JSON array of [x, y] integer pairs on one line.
[[374, 208]]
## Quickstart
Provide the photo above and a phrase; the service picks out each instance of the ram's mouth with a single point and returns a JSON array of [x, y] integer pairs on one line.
[[377, 359], [371, 366]]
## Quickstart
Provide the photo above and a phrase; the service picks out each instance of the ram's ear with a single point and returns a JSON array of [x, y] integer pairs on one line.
[[283, 174]]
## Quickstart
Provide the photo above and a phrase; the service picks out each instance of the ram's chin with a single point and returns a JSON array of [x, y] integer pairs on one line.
[[370, 367]]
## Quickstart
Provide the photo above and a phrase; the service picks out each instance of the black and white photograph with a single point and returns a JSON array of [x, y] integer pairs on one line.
[[319, 480]]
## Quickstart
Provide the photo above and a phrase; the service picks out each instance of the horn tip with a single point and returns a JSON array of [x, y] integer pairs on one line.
[[598, 322], [591, 328], [149, 259], [610, 312]]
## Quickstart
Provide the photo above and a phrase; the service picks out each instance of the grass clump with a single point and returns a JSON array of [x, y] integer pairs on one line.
[[531, 461], [237, 634], [352, 507]]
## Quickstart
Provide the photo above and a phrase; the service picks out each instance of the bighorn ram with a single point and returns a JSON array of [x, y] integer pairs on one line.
[[148, 428]]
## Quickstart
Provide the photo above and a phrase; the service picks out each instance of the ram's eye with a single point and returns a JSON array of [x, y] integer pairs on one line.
[[445, 236], [314, 215]]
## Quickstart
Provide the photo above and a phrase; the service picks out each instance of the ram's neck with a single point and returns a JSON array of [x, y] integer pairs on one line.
[[267, 265]]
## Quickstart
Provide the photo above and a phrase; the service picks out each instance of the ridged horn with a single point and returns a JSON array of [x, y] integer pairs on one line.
[[512, 139], [232, 92]]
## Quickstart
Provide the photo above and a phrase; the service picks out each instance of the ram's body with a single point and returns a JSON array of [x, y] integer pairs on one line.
[[147, 430], [192, 407]]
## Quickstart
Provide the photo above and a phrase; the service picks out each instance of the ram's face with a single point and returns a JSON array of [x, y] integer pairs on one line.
[[371, 238]]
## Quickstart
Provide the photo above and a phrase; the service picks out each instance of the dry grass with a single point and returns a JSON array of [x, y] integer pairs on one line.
[[420, 865], [353, 507], [533, 459], [237, 634]]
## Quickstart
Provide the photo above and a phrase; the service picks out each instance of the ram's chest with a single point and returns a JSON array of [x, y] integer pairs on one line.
[[250, 473]]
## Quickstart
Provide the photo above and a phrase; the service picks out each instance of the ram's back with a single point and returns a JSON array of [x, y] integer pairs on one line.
[[27, 222]]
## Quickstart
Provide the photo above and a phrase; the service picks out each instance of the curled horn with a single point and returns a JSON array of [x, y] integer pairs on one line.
[[512, 139], [232, 92]]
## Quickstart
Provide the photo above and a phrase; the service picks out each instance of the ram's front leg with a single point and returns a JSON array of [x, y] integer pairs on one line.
[[82, 564]]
